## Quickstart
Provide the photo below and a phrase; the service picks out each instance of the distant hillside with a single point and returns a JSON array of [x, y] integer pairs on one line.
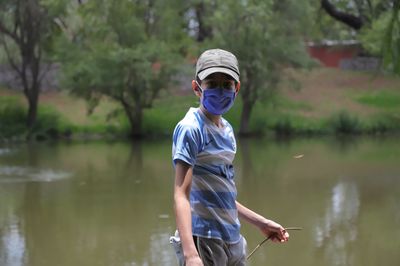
[[326, 90]]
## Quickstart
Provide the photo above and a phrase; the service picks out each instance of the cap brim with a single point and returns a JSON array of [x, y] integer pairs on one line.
[[202, 75]]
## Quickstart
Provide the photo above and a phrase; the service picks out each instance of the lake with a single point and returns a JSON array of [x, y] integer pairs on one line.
[[110, 203]]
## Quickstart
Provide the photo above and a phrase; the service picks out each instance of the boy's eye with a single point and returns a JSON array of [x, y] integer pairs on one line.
[[225, 85], [212, 84]]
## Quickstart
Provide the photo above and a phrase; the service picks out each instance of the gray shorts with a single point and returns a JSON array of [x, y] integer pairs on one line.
[[214, 252]]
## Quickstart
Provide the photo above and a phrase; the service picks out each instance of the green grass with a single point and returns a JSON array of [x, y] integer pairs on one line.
[[380, 99], [285, 103], [166, 112]]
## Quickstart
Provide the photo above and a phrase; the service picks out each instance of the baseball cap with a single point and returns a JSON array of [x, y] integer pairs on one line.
[[217, 60]]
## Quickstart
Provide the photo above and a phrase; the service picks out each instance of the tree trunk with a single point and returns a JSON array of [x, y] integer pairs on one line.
[[31, 91], [32, 110], [26, 33], [204, 31], [244, 129], [135, 116], [136, 124]]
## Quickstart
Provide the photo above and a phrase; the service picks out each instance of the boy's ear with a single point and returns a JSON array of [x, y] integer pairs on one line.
[[237, 89], [195, 88]]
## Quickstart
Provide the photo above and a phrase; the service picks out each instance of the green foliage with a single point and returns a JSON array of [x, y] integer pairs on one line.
[[12, 117], [366, 11], [167, 112], [372, 38], [13, 121], [321, 26], [277, 117], [383, 123], [265, 39], [123, 50], [380, 31], [344, 123], [391, 43], [45, 13], [27, 32], [286, 124]]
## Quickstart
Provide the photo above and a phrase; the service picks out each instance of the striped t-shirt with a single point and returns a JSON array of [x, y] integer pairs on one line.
[[210, 150]]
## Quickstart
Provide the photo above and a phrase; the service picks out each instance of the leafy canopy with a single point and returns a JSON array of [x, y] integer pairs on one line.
[[123, 50]]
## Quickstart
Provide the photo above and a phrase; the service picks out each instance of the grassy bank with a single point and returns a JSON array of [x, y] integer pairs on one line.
[[329, 101]]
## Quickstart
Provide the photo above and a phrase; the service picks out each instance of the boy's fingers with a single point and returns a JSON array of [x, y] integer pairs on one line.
[[283, 235], [286, 236]]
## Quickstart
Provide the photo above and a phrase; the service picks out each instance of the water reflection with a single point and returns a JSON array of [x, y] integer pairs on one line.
[[12, 245], [11, 174], [5, 151], [337, 231], [160, 250], [344, 144]]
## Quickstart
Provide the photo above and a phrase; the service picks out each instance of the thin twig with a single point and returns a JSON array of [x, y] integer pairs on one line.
[[268, 238]]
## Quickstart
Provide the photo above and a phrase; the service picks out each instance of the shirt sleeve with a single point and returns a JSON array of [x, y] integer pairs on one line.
[[186, 144]]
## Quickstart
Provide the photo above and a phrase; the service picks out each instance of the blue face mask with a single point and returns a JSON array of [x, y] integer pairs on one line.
[[217, 101]]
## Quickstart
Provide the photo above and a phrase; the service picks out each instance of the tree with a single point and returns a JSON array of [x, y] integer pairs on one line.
[[26, 28], [391, 41], [267, 37], [125, 50]]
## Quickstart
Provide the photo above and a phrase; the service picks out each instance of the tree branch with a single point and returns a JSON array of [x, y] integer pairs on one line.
[[44, 72], [9, 57], [12, 35], [348, 19], [371, 10]]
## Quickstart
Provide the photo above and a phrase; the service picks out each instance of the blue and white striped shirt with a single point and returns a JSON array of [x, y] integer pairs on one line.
[[210, 150]]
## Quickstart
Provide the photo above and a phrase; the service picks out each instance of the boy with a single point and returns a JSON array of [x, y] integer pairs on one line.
[[203, 150]]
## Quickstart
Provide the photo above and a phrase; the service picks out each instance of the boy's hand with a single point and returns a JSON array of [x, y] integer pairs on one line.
[[193, 261], [274, 230]]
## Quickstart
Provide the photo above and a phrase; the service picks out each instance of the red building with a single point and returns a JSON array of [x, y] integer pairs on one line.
[[331, 53]]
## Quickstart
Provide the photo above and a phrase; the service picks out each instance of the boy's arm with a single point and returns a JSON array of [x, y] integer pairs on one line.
[[183, 215], [267, 227]]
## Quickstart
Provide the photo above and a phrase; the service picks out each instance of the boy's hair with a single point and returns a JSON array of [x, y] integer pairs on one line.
[[217, 60]]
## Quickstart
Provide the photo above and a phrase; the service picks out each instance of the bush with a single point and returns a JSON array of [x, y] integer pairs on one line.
[[47, 124], [344, 123], [284, 127], [12, 118], [13, 121], [383, 123]]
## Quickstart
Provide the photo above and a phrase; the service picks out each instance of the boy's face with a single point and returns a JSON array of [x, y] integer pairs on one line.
[[216, 80]]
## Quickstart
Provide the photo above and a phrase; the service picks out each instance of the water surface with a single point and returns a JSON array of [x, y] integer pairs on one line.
[[110, 203]]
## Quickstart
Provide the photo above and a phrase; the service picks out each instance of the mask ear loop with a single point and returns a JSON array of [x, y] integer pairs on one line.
[[200, 88]]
